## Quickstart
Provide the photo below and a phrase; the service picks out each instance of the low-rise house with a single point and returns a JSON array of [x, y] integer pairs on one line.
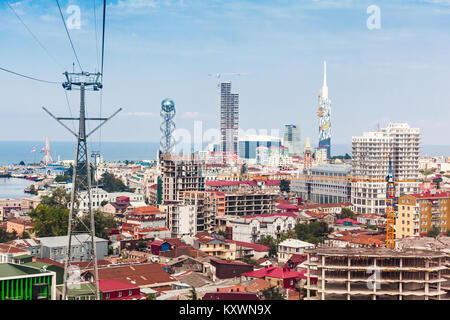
[[216, 247], [249, 250], [143, 275], [254, 228], [184, 263], [291, 246], [118, 290], [371, 219], [19, 226], [282, 278], [230, 295], [355, 240], [222, 269]]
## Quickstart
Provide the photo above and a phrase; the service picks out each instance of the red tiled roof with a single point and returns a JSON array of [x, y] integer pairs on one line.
[[429, 195], [143, 274], [106, 285], [146, 210], [341, 221], [228, 262], [274, 272]]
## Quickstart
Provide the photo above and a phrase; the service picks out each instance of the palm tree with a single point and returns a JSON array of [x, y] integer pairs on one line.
[[193, 295]]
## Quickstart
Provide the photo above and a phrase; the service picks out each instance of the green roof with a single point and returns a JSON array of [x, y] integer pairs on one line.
[[14, 270], [23, 256]]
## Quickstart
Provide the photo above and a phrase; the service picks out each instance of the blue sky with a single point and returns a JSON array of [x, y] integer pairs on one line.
[[157, 49]]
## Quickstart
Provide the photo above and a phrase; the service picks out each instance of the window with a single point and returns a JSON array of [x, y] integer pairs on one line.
[[107, 296], [130, 292], [119, 294]]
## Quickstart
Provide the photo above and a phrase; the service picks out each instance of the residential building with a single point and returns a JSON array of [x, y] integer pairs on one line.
[[215, 247], [281, 278], [343, 274], [370, 165], [180, 174], [418, 213], [225, 269], [255, 227], [292, 139], [324, 184], [291, 246], [229, 118]]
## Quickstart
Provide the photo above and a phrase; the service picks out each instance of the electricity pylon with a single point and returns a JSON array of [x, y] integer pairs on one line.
[[81, 181]]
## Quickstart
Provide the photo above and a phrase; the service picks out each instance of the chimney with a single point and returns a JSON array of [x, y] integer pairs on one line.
[[237, 290]]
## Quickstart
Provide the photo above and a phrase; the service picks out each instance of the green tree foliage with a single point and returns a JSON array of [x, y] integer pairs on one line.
[[249, 261], [314, 232], [111, 184], [222, 233], [141, 246], [434, 232], [50, 220], [58, 198], [270, 242], [193, 294], [347, 213], [272, 293], [21, 163], [285, 186], [159, 191], [103, 222], [63, 178], [7, 236]]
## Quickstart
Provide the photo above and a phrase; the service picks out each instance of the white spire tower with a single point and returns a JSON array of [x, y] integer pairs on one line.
[[47, 157], [324, 114]]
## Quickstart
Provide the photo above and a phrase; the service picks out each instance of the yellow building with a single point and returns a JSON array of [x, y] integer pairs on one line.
[[407, 220], [217, 248], [422, 212]]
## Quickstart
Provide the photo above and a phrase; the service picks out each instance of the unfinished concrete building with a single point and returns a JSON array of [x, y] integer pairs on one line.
[[208, 205], [180, 173], [375, 274], [244, 204]]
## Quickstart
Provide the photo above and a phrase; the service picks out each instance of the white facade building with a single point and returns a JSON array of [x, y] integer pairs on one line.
[[370, 154], [292, 246]]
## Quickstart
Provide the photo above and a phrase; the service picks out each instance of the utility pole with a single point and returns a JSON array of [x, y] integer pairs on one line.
[[81, 181]]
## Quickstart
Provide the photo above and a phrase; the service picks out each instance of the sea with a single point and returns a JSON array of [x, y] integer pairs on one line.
[[13, 152]]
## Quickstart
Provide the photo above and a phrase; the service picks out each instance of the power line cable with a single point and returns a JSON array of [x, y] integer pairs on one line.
[[33, 35], [68, 35], [96, 34], [103, 36], [28, 77]]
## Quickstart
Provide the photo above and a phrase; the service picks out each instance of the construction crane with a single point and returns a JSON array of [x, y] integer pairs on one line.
[[391, 205]]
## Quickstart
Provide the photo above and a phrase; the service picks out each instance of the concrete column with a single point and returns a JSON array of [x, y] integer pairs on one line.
[[427, 284], [308, 279]]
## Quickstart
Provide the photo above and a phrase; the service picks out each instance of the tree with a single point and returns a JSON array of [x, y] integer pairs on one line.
[[102, 223], [193, 294], [249, 261], [159, 191], [141, 246], [26, 235], [50, 221], [7, 236], [222, 233], [314, 232], [270, 242], [21, 163], [58, 198], [285, 186], [434, 232], [244, 169], [63, 178], [347, 213], [111, 184], [272, 293]]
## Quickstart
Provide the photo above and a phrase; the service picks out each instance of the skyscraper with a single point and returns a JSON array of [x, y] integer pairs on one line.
[[229, 118], [292, 139], [324, 114], [370, 154]]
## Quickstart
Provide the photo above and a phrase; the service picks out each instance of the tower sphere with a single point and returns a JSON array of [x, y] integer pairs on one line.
[[168, 105]]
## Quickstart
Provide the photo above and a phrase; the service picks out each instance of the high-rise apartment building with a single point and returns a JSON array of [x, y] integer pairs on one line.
[[370, 165], [229, 118], [292, 139], [180, 174], [419, 213]]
